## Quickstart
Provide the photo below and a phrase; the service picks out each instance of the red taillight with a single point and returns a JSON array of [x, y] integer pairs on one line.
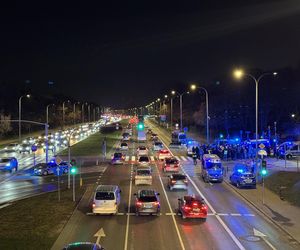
[[138, 203], [187, 208], [173, 181], [185, 181], [156, 203], [204, 207], [93, 205]]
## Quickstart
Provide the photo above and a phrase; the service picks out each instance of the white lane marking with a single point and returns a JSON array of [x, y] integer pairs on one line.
[[169, 205], [233, 237], [127, 158], [120, 213], [128, 211], [251, 215], [223, 214], [183, 158], [170, 213], [235, 214], [133, 158]]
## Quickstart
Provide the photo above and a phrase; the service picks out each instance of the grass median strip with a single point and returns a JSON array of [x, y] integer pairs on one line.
[[36, 222]]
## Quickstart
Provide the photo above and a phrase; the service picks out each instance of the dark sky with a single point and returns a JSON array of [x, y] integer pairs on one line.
[[125, 55]]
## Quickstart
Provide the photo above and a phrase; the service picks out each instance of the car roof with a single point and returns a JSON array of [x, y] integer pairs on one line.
[[190, 198], [147, 192], [177, 175], [106, 188]]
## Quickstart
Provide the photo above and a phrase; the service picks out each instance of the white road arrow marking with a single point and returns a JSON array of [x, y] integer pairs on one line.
[[99, 234], [263, 236]]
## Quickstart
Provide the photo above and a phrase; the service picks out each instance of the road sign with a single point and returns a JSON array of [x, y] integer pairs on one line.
[[262, 146], [58, 160], [33, 148]]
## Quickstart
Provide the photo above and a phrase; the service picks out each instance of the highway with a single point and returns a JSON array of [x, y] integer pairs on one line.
[[232, 223]]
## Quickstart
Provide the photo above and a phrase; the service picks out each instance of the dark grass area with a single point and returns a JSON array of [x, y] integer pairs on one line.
[[36, 222], [92, 146], [290, 180]]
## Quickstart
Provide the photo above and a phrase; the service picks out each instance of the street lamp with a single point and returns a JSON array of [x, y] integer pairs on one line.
[[238, 74], [173, 92], [293, 115], [74, 111], [47, 112], [180, 104], [20, 114], [194, 87], [63, 110]]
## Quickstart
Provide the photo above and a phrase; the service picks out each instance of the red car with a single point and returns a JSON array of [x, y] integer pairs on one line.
[[171, 165], [192, 207], [163, 153]]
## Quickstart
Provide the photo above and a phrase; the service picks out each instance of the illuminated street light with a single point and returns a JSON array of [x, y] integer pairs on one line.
[[20, 114], [293, 115], [238, 73]]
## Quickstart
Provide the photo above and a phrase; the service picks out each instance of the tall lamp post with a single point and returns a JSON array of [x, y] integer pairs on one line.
[[238, 74], [47, 112], [74, 112], [194, 87], [20, 115], [173, 92], [180, 105], [63, 112]]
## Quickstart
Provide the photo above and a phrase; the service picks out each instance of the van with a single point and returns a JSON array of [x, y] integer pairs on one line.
[[106, 199], [212, 169]]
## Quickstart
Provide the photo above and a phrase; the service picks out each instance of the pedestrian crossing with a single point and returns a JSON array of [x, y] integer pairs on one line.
[[182, 159]]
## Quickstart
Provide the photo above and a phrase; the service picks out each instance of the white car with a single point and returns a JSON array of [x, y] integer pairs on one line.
[[144, 160], [142, 150], [123, 146], [163, 153], [143, 176]]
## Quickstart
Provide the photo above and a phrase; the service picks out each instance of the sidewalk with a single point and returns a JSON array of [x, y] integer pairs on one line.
[[280, 212]]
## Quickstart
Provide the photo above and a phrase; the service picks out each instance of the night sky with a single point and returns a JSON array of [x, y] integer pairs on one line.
[[125, 55]]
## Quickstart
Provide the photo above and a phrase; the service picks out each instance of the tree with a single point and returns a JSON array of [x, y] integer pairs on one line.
[[5, 124]]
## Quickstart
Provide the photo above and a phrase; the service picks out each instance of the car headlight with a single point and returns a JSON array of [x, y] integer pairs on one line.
[[27, 148], [7, 165]]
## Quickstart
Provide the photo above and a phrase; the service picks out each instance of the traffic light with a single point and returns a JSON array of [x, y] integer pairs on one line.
[[264, 168], [140, 126], [73, 170]]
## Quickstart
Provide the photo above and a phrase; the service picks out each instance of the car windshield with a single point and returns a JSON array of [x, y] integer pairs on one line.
[[248, 175], [118, 155], [157, 143], [142, 148], [171, 161], [213, 165], [147, 198], [143, 172], [144, 158], [179, 177], [105, 196], [123, 144], [4, 160]]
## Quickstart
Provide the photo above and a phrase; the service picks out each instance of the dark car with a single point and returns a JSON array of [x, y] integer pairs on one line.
[[177, 181], [8, 164], [43, 169], [147, 202], [83, 246], [117, 158], [242, 177], [192, 207]]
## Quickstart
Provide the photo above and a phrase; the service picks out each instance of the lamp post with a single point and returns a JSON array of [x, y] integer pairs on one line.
[[20, 115], [74, 112], [238, 74], [180, 105], [47, 112], [63, 112], [82, 112], [89, 112], [194, 87]]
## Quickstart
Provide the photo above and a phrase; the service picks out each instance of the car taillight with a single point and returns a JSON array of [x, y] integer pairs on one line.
[[173, 181], [187, 208], [93, 205], [203, 207], [138, 203], [185, 181], [156, 203]]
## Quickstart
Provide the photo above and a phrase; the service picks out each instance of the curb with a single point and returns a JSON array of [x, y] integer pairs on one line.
[[262, 212]]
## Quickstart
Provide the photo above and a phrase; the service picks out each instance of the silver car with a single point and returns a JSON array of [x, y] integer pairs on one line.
[[147, 202]]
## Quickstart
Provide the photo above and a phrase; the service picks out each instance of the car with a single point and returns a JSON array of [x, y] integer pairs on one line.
[[29, 140], [12, 147], [142, 150], [143, 160], [177, 181], [125, 137], [154, 137], [171, 165], [51, 147], [43, 169], [24, 148], [163, 153], [83, 246], [143, 176], [123, 146], [117, 158], [158, 146], [147, 202], [190, 206], [8, 164], [149, 131], [243, 178], [107, 199]]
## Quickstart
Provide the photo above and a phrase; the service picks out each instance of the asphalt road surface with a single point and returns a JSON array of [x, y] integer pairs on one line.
[[231, 224]]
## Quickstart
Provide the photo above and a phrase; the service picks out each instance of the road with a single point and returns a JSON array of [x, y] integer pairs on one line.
[[231, 223]]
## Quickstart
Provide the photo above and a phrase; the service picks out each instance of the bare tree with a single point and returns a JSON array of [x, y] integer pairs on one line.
[[5, 124]]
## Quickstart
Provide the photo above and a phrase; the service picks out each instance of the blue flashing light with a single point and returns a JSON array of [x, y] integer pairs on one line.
[[274, 140], [237, 139], [189, 142], [221, 136], [240, 170]]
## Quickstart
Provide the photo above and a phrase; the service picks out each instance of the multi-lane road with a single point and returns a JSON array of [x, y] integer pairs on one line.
[[231, 224]]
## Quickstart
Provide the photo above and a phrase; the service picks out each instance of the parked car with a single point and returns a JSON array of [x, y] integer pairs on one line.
[[107, 199], [177, 181], [242, 177], [143, 176], [8, 164], [190, 206], [171, 165], [117, 158], [147, 202]]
